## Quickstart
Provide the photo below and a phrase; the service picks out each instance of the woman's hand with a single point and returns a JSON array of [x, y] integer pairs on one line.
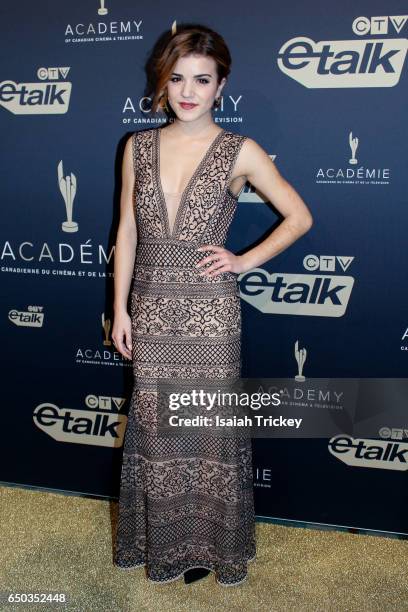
[[122, 334], [224, 261]]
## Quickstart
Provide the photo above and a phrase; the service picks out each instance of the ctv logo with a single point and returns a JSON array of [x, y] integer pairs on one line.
[[50, 97], [100, 424], [326, 263], [393, 433], [370, 453], [378, 25]]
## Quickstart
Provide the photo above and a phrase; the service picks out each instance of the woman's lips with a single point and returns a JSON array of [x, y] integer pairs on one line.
[[186, 105]]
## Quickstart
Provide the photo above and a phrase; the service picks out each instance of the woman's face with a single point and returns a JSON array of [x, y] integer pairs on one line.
[[193, 81]]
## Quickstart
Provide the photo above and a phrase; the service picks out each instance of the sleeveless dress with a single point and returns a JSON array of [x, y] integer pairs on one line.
[[184, 502]]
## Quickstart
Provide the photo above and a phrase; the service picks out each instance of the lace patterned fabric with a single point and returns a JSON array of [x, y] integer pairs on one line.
[[185, 501]]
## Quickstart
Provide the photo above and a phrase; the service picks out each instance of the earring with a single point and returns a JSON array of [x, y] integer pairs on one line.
[[217, 102], [165, 106]]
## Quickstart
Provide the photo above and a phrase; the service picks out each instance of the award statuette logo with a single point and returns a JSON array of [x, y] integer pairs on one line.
[[353, 146], [106, 324], [300, 355], [102, 10], [68, 187]]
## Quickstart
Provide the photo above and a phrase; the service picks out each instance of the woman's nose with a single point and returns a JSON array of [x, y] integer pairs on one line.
[[187, 90]]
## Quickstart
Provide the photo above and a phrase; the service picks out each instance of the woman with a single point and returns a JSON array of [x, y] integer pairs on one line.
[[186, 504]]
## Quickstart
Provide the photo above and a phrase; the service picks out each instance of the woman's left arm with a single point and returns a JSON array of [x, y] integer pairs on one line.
[[256, 166], [263, 174]]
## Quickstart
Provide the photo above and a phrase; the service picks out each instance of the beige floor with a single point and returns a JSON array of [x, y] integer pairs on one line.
[[62, 543]]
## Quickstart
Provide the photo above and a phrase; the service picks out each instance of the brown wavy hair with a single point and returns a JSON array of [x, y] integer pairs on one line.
[[188, 39]]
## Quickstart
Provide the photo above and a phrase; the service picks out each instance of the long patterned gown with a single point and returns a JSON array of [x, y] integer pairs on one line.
[[184, 501]]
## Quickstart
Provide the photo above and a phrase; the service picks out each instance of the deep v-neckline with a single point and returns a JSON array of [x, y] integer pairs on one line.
[[190, 183]]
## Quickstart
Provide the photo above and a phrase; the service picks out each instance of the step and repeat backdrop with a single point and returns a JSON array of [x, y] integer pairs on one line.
[[322, 87]]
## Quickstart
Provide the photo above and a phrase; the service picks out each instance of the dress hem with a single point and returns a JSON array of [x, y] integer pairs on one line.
[[226, 584]]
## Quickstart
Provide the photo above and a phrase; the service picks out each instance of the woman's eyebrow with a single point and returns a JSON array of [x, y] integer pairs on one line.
[[196, 75]]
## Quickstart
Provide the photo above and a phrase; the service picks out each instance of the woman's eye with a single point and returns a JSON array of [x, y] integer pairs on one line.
[[176, 79]]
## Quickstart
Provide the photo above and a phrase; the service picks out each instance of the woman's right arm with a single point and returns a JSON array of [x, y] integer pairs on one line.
[[125, 251]]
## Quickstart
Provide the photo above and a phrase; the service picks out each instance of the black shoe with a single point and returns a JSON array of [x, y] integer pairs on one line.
[[194, 574]]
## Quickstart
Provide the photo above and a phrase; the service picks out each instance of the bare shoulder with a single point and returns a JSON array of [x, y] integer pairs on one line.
[[249, 146], [251, 156], [251, 149]]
